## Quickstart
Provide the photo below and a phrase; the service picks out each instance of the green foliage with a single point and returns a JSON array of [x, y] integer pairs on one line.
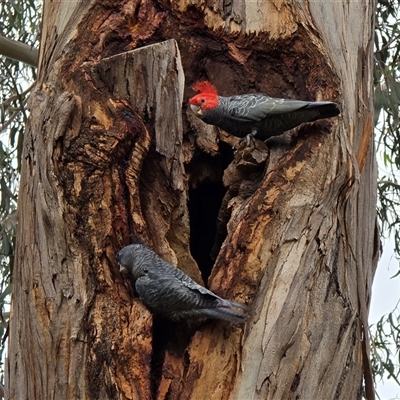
[[9, 179], [386, 347], [387, 96], [385, 339], [19, 20]]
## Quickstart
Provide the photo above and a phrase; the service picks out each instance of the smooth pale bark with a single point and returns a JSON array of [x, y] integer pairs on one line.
[[19, 51], [108, 157]]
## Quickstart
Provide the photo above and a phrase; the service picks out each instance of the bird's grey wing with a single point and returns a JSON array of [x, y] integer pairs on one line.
[[208, 296], [192, 285], [166, 293], [167, 270], [255, 107]]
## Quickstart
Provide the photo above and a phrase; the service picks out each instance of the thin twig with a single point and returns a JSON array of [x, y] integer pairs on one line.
[[15, 96], [395, 185]]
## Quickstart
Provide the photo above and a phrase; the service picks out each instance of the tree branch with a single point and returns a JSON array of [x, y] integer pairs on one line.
[[395, 185], [19, 51]]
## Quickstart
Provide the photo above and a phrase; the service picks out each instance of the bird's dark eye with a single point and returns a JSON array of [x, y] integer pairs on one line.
[[146, 271], [203, 100]]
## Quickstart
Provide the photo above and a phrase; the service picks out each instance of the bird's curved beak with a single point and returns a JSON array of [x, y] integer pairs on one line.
[[196, 109], [123, 269]]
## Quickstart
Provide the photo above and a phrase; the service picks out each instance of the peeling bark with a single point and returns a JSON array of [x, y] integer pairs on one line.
[[110, 155]]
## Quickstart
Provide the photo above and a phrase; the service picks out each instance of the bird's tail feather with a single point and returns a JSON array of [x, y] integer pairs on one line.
[[326, 109], [231, 304], [225, 314], [237, 305]]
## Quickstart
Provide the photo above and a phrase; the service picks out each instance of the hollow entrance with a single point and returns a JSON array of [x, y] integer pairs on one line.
[[204, 204], [206, 194]]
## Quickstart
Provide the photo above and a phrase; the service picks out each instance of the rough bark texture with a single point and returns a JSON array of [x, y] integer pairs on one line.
[[109, 156]]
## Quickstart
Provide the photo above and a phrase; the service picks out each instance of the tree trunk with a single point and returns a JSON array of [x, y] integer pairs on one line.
[[291, 225]]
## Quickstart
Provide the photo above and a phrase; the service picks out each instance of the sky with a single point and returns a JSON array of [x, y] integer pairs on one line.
[[385, 297]]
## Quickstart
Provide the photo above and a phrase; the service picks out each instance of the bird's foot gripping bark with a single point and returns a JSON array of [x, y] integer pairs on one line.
[[251, 137]]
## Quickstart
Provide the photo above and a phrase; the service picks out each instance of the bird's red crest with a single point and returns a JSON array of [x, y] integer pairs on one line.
[[205, 87], [208, 96]]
